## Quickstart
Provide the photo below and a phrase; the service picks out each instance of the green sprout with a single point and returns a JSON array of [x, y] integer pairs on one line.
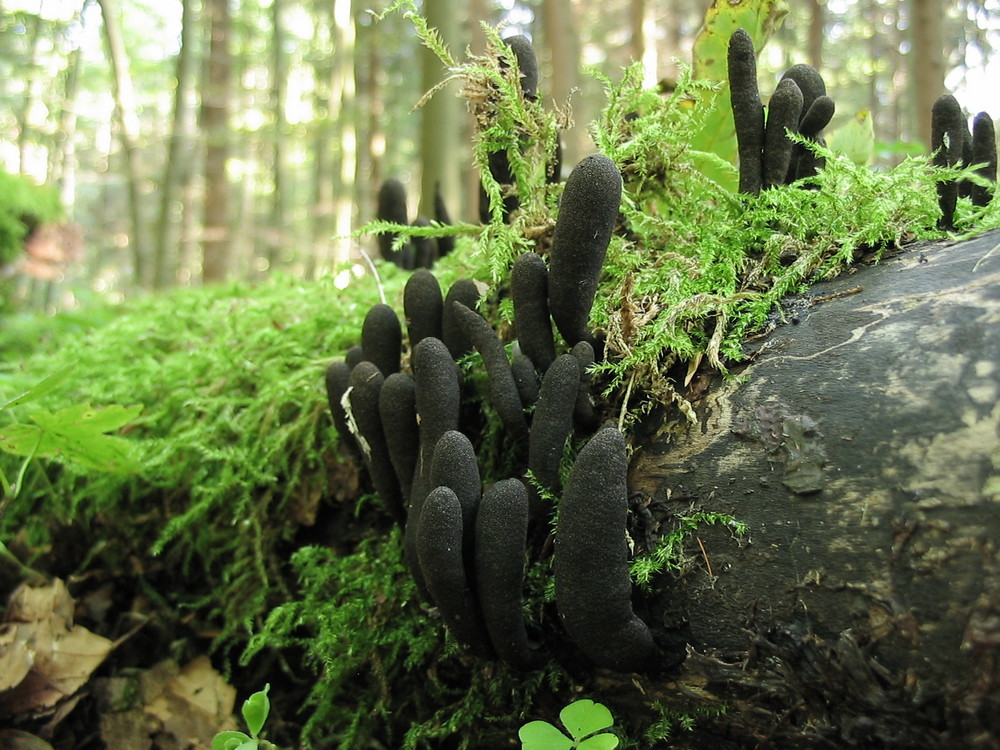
[[587, 723], [255, 711]]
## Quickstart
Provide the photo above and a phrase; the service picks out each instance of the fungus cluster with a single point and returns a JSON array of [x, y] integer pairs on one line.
[[953, 145], [419, 252], [799, 104], [465, 544]]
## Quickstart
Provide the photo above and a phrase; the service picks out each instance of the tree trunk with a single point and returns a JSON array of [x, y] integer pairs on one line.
[[861, 447], [279, 237], [559, 29], [180, 154], [215, 104], [342, 87], [927, 54], [25, 127], [817, 32], [128, 123], [440, 126], [642, 20]]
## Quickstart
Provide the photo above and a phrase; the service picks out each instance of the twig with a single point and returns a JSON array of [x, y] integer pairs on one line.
[[835, 295], [374, 270], [704, 554]]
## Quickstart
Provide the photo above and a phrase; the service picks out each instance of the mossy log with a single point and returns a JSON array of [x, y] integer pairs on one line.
[[861, 446]]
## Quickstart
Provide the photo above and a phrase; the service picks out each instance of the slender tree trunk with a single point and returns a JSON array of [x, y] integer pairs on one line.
[[33, 31], [67, 129], [441, 148], [642, 20], [927, 54], [180, 153], [559, 29], [278, 234], [817, 32], [323, 166], [344, 94], [215, 106], [128, 123]]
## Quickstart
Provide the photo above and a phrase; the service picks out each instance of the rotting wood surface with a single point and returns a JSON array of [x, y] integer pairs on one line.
[[861, 446]]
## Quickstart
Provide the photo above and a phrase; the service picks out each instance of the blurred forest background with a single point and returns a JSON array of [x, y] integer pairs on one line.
[[192, 141]]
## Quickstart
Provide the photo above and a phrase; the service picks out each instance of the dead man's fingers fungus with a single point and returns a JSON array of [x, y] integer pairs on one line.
[[422, 306], [948, 130], [782, 114], [454, 466], [748, 112], [503, 393], [439, 550], [397, 406], [592, 584], [588, 212], [365, 391], [984, 151], [382, 339], [529, 291], [501, 536]]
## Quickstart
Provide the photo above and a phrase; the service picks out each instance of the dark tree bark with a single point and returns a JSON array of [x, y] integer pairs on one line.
[[861, 446]]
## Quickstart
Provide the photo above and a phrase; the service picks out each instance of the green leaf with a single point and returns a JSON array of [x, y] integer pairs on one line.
[[75, 434], [603, 741], [46, 386], [540, 735], [255, 710], [230, 740], [585, 717], [709, 61]]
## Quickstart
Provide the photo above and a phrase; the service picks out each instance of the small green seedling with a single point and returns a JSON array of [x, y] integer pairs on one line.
[[587, 723], [255, 711]]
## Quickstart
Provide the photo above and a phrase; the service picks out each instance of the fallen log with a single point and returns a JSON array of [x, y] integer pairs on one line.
[[860, 444]]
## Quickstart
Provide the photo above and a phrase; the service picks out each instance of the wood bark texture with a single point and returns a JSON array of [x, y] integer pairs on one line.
[[861, 446]]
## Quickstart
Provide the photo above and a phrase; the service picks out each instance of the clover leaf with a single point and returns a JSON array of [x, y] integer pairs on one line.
[[587, 723]]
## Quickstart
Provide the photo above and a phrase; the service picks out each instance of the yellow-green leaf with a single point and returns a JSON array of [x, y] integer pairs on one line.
[[760, 18]]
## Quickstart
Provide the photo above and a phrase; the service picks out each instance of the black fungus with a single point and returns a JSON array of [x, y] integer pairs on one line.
[[439, 550], [748, 112], [382, 339], [391, 207], [452, 333], [438, 399], [441, 215], [454, 466], [817, 117], [947, 133], [525, 378], [500, 541], [588, 212], [422, 306], [365, 391], [354, 355], [817, 111], [592, 584], [425, 250], [398, 409], [503, 393], [782, 114], [585, 416], [551, 425], [984, 151], [338, 376], [529, 291], [527, 64]]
